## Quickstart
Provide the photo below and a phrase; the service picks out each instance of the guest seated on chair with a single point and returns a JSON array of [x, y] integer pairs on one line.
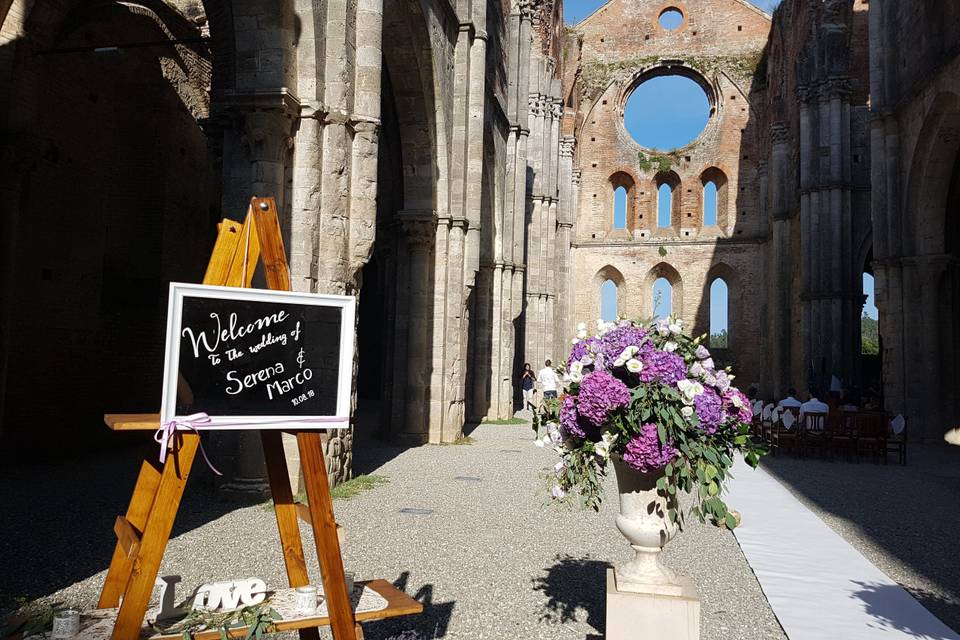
[[813, 405], [790, 400]]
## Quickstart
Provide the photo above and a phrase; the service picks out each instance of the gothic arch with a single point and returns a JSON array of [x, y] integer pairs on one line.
[[731, 277], [930, 177], [609, 272], [672, 180], [668, 272], [407, 60], [719, 179]]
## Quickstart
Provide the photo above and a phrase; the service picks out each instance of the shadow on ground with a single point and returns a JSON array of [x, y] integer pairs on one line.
[[57, 523], [573, 585], [430, 624], [907, 513], [877, 602]]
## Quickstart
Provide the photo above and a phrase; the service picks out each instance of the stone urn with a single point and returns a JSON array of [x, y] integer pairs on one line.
[[645, 523]]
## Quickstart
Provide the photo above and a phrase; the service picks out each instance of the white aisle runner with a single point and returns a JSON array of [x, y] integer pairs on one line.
[[818, 585]]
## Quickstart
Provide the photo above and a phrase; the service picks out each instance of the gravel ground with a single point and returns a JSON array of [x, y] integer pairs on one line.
[[905, 520], [490, 561]]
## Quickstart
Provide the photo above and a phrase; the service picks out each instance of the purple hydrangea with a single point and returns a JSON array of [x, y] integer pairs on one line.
[[581, 349], [744, 413], [709, 409], [618, 339], [645, 453], [570, 419], [599, 394], [666, 367]]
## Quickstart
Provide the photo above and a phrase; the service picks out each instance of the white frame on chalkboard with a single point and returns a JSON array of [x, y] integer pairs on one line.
[[171, 364]]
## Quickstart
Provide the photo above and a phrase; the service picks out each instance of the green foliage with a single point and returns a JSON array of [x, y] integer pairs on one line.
[[30, 619], [357, 485], [259, 620], [869, 335], [507, 421], [663, 254], [656, 163], [719, 340]]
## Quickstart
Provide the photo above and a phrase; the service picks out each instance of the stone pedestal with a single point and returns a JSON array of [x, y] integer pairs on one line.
[[661, 614]]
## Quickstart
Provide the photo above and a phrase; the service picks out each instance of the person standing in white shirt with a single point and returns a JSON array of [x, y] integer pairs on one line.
[[548, 381], [790, 400], [813, 405]]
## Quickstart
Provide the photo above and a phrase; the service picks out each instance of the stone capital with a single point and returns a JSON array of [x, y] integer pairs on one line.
[[836, 87], [779, 133], [267, 135], [419, 227], [567, 145]]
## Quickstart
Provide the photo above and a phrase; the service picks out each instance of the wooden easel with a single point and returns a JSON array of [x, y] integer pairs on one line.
[[143, 533]]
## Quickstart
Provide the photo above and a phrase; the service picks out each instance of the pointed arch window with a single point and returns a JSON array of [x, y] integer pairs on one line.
[[662, 298], [719, 309]]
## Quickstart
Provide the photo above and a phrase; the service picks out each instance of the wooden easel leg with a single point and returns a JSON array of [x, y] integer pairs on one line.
[[287, 521], [156, 533], [120, 566], [342, 621]]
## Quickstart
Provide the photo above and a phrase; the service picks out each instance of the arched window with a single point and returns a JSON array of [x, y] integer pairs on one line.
[[662, 298], [869, 334], [620, 208], [714, 183], [664, 205], [608, 301], [719, 304], [710, 203]]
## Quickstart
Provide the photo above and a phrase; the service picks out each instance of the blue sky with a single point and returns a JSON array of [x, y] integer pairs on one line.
[[576, 10]]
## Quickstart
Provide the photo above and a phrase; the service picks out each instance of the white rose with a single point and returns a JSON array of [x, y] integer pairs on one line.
[[582, 334], [676, 326], [737, 402], [582, 326], [686, 412], [574, 340], [634, 365], [602, 449], [576, 376], [670, 346], [577, 366]]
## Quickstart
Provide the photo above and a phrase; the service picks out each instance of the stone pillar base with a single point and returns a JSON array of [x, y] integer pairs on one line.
[[653, 616]]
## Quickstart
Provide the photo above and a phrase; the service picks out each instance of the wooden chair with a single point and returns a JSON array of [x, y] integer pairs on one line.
[[872, 430], [767, 423], [842, 433], [813, 432], [786, 437], [897, 442]]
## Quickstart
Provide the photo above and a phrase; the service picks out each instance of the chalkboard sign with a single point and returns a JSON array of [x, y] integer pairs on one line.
[[258, 359]]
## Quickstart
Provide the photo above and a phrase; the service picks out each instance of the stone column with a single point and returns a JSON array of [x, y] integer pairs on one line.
[[266, 136], [780, 306], [419, 230]]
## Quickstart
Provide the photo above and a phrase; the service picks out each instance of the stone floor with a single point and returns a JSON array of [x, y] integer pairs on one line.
[[491, 559]]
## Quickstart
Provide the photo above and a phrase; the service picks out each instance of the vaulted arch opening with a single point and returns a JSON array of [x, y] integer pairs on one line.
[[714, 197], [667, 184], [394, 315], [117, 197], [663, 292]]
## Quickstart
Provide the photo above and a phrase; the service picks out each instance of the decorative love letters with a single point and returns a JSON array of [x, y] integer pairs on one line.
[[230, 595]]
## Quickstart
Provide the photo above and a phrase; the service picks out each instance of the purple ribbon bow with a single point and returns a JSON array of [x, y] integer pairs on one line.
[[189, 423]]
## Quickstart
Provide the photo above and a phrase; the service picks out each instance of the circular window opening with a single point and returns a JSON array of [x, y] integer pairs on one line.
[[666, 112], [671, 18]]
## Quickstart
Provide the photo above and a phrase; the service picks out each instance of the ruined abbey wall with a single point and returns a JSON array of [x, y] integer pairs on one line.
[[719, 45]]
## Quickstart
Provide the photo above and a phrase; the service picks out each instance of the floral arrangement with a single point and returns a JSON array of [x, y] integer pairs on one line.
[[652, 396]]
